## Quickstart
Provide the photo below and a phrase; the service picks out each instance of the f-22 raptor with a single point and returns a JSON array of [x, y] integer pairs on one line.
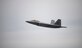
[[53, 24]]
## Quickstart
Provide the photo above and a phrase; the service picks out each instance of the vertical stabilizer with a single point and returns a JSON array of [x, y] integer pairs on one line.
[[52, 22], [58, 22]]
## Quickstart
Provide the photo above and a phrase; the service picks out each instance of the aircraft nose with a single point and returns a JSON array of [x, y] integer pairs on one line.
[[26, 21]]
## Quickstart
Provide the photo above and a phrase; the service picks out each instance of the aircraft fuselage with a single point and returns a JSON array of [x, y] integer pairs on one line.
[[44, 24]]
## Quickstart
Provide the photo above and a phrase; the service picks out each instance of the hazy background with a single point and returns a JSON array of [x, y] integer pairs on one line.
[[16, 33]]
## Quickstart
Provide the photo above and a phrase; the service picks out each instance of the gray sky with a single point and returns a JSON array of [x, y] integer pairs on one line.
[[16, 33]]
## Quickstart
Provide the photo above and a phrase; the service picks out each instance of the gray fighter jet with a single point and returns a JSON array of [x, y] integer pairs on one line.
[[53, 24]]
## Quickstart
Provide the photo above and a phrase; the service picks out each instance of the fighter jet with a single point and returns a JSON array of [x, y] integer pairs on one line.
[[53, 24]]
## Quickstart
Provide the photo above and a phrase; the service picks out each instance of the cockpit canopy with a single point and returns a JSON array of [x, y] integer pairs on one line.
[[34, 20]]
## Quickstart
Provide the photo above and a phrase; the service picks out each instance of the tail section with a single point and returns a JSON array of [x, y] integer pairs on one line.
[[52, 22], [58, 22]]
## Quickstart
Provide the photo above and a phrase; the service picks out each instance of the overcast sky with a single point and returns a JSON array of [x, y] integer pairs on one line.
[[16, 33]]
